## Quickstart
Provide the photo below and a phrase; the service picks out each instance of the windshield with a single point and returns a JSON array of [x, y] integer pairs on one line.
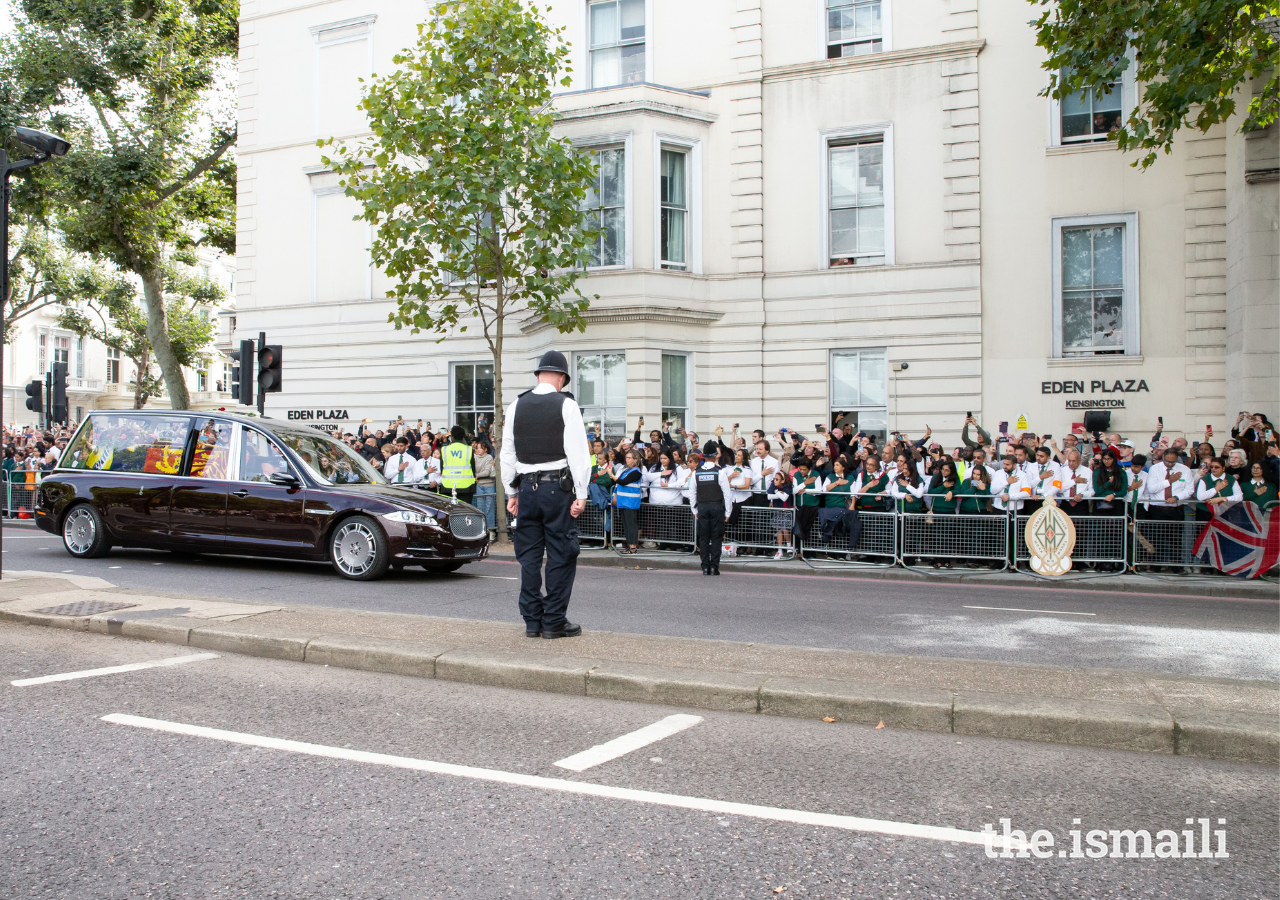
[[330, 461]]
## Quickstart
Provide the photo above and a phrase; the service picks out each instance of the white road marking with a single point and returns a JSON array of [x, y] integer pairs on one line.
[[499, 577], [621, 746], [770, 813], [112, 670], [1048, 612]]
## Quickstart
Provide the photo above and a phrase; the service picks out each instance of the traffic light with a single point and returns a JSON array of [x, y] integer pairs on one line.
[[35, 396], [270, 369], [58, 394], [242, 374]]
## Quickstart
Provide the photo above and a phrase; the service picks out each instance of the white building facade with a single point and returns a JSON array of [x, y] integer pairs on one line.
[[816, 209]]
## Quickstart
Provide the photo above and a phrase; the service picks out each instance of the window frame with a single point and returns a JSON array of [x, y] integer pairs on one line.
[[1132, 296], [453, 391], [237, 445], [113, 365], [576, 388], [692, 148], [832, 407], [233, 461], [331, 34], [585, 61], [833, 137], [1128, 101], [886, 30], [626, 140], [328, 190], [685, 409]]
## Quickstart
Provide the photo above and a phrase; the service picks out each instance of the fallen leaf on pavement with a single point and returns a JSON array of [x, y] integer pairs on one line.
[[881, 725], [779, 889], [827, 719]]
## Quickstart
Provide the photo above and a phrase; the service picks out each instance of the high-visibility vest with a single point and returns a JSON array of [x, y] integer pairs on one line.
[[457, 473], [627, 496]]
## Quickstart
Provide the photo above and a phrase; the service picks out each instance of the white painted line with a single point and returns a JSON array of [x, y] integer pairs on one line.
[[112, 670], [1047, 612], [775, 814], [621, 746], [499, 577]]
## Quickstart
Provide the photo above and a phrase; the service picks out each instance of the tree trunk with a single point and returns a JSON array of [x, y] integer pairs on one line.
[[141, 367], [499, 425], [158, 336]]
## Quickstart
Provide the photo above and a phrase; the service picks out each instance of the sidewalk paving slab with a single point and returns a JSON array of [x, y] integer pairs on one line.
[[1118, 709]]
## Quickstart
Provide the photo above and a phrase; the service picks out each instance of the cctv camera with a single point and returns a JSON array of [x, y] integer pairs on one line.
[[42, 142], [901, 366]]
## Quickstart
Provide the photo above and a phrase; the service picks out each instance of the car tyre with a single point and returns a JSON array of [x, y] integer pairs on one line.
[[358, 549], [83, 532], [442, 568]]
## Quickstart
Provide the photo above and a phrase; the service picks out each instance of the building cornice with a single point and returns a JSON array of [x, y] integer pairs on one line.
[[631, 107], [639, 312], [910, 57]]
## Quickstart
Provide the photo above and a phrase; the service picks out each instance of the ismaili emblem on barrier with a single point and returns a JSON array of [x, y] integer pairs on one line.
[[1051, 536]]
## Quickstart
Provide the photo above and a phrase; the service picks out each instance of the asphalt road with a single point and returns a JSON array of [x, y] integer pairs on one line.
[[1215, 637], [95, 809]]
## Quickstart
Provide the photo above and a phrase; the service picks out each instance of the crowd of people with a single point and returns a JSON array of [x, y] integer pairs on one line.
[[30, 449]]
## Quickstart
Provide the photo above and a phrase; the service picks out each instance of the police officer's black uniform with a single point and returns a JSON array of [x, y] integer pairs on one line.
[[711, 515], [541, 424]]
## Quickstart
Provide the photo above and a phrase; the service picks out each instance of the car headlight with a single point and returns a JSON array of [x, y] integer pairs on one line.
[[412, 518]]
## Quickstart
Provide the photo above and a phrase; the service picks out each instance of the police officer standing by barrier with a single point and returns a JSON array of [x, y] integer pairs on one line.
[[458, 474], [546, 466], [712, 500]]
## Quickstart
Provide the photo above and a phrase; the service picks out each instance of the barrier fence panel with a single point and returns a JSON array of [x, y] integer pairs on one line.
[[671, 527], [20, 494], [831, 533], [1101, 540], [757, 528], [970, 537], [591, 526], [1166, 536]]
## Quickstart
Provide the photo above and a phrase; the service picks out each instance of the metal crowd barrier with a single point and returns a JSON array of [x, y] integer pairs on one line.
[[1168, 542], [971, 537], [877, 541], [19, 493], [757, 527], [671, 527], [591, 530], [1100, 540]]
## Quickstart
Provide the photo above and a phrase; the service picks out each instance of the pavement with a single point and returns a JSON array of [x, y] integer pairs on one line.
[[1188, 715], [216, 774]]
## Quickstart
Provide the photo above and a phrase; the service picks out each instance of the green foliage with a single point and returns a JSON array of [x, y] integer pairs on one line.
[[113, 316], [1193, 58], [42, 273], [144, 90], [476, 204]]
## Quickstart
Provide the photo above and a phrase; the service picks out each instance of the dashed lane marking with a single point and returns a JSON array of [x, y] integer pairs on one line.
[[112, 670], [621, 746], [607, 792]]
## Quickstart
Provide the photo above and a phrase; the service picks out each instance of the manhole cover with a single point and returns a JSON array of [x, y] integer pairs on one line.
[[83, 608]]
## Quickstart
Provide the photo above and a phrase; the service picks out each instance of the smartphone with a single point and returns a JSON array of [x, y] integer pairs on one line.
[[735, 425], [1004, 427], [1047, 436], [1160, 419], [1208, 430], [817, 426], [969, 414]]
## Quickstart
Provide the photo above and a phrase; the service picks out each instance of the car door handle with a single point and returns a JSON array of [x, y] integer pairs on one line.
[[242, 493]]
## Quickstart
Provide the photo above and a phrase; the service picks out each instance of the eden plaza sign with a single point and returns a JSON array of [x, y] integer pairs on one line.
[[1096, 386]]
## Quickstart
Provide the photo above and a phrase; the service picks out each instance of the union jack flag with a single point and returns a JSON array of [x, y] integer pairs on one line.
[[1241, 539]]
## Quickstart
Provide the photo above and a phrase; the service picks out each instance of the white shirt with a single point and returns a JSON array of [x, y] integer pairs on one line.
[[900, 492], [666, 490], [1160, 477], [1014, 484], [1044, 485], [762, 469], [691, 489], [1208, 489], [392, 469], [1072, 489], [577, 455], [735, 482]]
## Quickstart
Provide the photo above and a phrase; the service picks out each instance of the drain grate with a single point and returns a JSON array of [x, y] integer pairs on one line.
[[83, 608]]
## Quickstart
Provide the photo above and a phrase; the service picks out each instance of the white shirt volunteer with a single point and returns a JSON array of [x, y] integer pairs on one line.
[[1072, 489], [762, 469], [1160, 477], [666, 490], [392, 468], [1015, 484], [1044, 487]]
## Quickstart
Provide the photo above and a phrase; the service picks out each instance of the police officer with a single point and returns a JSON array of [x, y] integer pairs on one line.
[[546, 468], [712, 500], [457, 470]]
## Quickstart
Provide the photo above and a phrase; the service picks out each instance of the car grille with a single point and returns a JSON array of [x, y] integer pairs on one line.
[[467, 525]]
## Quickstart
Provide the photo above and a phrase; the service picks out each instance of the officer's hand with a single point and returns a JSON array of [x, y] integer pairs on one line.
[[513, 504], [575, 510]]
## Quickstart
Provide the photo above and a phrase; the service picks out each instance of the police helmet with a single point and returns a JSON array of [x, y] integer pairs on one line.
[[553, 361]]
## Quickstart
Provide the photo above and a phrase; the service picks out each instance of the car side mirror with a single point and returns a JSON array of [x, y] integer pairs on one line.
[[284, 479]]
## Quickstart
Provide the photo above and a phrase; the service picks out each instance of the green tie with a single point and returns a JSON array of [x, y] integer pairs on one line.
[[400, 473]]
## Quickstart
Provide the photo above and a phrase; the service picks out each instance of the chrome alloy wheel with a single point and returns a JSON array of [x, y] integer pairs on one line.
[[354, 549], [79, 531]]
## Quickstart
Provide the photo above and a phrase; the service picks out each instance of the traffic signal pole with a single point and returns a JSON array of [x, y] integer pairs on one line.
[[262, 394]]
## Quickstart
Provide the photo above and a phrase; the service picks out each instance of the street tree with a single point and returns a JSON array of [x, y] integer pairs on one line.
[[44, 274], [476, 205], [145, 90], [110, 313], [1192, 58]]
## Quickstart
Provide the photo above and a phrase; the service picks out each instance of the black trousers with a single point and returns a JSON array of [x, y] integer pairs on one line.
[[544, 526], [710, 534], [630, 525]]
